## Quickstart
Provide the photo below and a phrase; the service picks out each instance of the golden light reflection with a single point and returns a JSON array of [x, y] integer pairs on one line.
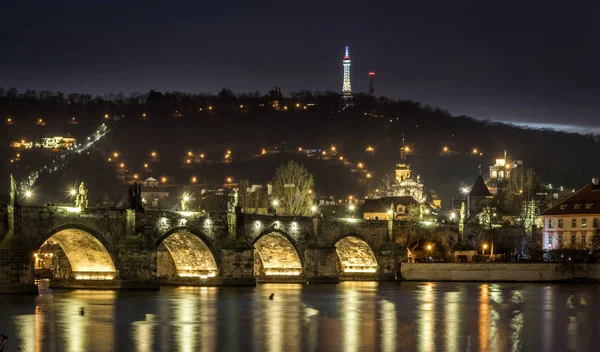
[[389, 325], [185, 315], [25, 327], [547, 318], [484, 312], [452, 302], [280, 326], [427, 318], [351, 320], [143, 334]]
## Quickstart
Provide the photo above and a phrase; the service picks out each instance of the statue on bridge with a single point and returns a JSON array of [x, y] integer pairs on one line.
[[135, 197], [13, 190], [81, 200]]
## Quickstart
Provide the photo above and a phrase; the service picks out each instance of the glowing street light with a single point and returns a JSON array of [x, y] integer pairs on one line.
[[484, 247], [275, 202], [201, 156], [105, 116], [263, 151], [194, 179], [153, 154], [406, 149], [229, 179], [370, 149], [116, 155], [73, 191], [351, 207], [475, 151], [452, 215], [190, 154], [122, 165], [313, 208], [445, 149], [333, 148], [299, 149], [28, 193], [369, 175], [135, 176], [429, 248], [163, 179], [341, 158], [361, 165], [145, 165], [186, 197]]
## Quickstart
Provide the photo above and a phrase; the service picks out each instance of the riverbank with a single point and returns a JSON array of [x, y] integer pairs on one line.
[[501, 272]]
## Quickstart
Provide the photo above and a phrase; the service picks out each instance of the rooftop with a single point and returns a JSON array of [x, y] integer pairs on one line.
[[584, 201]]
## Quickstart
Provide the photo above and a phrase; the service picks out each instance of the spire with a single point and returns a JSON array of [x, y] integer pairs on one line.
[[402, 150], [347, 55], [505, 155]]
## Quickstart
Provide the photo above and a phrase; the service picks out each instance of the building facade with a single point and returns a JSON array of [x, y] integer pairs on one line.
[[573, 222]]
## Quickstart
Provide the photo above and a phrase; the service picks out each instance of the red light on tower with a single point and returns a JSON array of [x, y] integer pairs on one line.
[[371, 73], [371, 83]]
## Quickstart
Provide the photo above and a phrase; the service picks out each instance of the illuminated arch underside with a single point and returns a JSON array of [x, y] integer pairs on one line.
[[86, 254], [356, 256], [191, 255], [278, 255]]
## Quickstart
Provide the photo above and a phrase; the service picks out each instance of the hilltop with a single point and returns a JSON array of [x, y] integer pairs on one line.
[[263, 131]]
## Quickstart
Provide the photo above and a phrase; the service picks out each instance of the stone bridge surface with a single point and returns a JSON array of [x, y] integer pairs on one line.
[[128, 249]]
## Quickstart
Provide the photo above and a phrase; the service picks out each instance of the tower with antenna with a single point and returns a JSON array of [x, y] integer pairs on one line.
[[346, 86], [371, 83]]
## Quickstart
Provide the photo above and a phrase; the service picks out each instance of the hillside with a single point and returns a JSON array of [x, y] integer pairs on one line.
[[174, 124]]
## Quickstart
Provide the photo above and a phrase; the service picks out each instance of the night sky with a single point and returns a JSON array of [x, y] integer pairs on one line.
[[503, 60]]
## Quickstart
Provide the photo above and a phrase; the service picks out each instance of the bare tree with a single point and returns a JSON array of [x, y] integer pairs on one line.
[[292, 187], [386, 183]]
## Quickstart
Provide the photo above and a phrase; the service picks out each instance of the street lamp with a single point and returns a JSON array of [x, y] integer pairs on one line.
[[28, 194], [313, 208], [73, 192], [351, 207], [484, 247], [275, 202], [428, 247]]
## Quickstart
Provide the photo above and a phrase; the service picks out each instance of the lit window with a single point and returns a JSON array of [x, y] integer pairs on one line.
[[573, 238], [573, 222], [550, 239], [583, 222], [560, 223], [550, 223]]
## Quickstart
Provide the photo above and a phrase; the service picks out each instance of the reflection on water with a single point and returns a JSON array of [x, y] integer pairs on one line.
[[345, 317]]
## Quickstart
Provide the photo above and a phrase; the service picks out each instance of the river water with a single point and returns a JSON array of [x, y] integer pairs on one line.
[[350, 316]]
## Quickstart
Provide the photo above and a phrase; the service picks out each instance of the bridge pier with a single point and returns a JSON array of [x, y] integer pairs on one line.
[[321, 265], [237, 267], [16, 272]]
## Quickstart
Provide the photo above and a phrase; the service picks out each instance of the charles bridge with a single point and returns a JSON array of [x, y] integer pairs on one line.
[[122, 248]]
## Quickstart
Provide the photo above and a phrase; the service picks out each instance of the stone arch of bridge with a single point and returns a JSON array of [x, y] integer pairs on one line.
[[356, 255], [85, 251], [185, 253], [278, 254]]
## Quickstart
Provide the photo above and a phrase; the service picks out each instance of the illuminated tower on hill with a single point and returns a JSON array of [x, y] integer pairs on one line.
[[346, 87], [371, 83]]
